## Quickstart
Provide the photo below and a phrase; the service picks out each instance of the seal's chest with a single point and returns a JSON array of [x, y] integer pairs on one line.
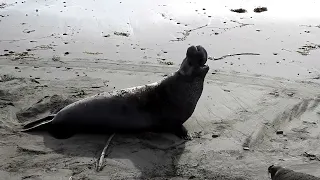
[[190, 96]]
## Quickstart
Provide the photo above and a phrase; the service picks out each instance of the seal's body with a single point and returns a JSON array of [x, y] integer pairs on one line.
[[159, 107], [281, 173]]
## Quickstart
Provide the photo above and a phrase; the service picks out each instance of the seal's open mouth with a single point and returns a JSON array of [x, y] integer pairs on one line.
[[202, 57]]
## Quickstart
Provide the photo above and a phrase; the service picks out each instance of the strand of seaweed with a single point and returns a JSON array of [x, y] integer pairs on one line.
[[231, 55], [186, 33], [229, 28]]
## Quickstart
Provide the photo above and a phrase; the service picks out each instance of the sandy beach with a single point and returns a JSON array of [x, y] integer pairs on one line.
[[260, 103]]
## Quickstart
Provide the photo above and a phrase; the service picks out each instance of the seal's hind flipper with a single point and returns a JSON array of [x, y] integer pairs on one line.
[[40, 124]]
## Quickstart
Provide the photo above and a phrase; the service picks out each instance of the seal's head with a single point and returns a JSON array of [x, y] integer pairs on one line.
[[194, 63], [273, 170]]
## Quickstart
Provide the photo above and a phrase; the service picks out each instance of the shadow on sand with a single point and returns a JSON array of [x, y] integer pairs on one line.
[[142, 156]]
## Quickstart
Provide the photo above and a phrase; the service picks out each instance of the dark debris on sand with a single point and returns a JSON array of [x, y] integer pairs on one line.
[[240, 10], [121, 34], [260, 9], [2, 5]]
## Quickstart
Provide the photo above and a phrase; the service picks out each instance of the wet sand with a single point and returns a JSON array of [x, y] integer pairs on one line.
[[260, 104]]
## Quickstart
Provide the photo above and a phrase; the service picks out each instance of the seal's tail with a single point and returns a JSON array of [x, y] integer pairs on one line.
[[40, 124]]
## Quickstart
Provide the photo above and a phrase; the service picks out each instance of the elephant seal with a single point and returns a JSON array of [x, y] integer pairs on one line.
[[162, 106], [281, 173]]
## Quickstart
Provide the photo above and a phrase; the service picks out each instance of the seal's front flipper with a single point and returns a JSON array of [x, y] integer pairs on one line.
[[182, 133]]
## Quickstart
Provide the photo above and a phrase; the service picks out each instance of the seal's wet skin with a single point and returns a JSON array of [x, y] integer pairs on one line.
[[158, 107], [281, 173]]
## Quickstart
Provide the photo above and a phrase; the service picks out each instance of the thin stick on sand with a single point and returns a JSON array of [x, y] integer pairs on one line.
[[100, 161]]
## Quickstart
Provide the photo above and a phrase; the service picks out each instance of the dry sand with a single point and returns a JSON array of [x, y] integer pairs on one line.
[[63, 51]]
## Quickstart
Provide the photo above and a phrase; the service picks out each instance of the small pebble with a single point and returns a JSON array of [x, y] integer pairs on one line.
[[290, 94], [215, 135], [279, 132]]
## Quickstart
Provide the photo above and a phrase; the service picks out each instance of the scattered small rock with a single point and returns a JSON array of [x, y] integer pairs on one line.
[[240, 10], [215, 135], [37, 10], [274, 93], [108, 35], [311, 156], [55, 58], [246, 148], [66, 53], [279, 132], [16, 68], [28, 31], [275, 54], [305, 50], [260, 9], [121, 34], [290, 94], [35, 81], [64, 34]]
